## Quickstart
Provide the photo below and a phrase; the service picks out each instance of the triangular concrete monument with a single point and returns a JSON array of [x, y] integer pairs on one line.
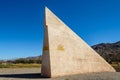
[[65, 53]]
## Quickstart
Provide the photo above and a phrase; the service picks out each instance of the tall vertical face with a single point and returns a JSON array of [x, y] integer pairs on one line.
[[45, 70], [64, 53]]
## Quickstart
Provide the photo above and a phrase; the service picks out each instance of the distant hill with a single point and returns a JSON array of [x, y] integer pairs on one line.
[[109, 51], [33, 58]]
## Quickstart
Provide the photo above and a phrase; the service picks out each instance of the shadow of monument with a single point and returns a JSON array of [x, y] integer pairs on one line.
[[26, 75]]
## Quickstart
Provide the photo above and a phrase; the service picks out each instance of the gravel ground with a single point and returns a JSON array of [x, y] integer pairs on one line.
[[34, 74]]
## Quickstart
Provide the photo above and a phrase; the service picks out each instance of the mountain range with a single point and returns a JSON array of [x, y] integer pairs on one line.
[[109, 51]]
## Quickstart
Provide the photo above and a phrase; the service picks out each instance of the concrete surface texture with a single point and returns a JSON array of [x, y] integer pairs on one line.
[[65, 53]]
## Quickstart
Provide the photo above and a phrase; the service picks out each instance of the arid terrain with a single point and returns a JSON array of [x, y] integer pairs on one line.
[[34, 74]]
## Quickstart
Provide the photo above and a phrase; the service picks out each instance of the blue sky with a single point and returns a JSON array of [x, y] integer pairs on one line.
[[21, 23]]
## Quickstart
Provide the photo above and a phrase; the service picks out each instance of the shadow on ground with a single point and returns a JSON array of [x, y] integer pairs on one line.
[[27, 75]]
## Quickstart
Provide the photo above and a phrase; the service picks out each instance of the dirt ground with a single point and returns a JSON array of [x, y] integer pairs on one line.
[[34, 74]]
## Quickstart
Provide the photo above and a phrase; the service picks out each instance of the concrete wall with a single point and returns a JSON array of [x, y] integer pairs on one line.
[[68, 54]]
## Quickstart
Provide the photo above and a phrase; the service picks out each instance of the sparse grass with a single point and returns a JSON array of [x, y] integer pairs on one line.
[[116, 65], [20, 65]]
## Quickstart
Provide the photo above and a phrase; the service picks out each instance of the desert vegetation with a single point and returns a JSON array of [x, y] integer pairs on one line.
[[20, 65], [29, 62]]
